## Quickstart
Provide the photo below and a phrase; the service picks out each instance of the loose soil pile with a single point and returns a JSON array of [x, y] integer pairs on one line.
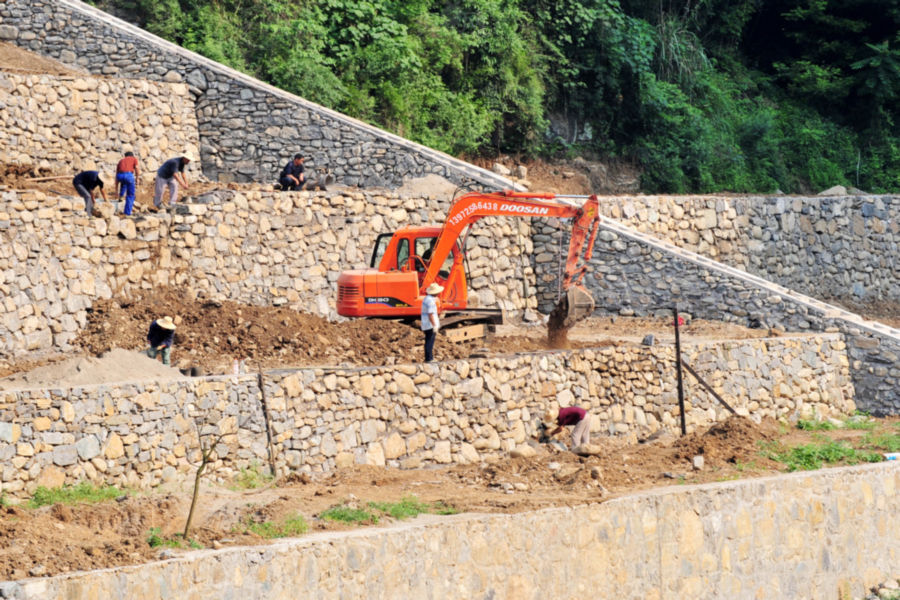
[[211, 335], [17, 60], [58, 539], [114, 365]]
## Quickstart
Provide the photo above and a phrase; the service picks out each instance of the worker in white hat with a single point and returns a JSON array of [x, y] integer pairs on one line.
[[430, 323], [170, 175], [160, 337]]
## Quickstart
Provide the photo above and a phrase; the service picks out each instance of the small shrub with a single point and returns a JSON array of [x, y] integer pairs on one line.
[[442, 508], [83, 492], [809, 457], [406, 508], [251, 478], [290, 527], [346, 514], [860, 424], [155, 539], [815, 425], [888, 442]]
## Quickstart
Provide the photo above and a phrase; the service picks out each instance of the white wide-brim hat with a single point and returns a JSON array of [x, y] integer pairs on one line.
[[434, 289], [166, 323]]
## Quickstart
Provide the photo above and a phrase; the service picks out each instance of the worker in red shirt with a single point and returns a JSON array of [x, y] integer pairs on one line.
[[128, 173], [570, 415]]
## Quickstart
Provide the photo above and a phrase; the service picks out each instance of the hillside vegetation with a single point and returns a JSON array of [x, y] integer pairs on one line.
[[703, 95]]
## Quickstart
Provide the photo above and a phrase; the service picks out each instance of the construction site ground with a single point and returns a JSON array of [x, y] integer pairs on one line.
[[210, 336], [71, 537], [67, 537]]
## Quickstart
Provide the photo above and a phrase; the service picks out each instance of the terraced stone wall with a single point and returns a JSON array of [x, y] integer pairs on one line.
[[80, 123], [144, 434], [828, 534], [248, 129], [826, 247], [264, 248], [635, 274]]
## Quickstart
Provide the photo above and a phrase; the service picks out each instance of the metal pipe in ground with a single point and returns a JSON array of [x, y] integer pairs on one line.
[[678, 371]]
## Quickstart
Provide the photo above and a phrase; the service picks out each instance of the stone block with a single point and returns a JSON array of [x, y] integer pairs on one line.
[[51, 477], [88, 447], [394, 446], [64, 456], [10, 432], [441, 452], [114, 447]]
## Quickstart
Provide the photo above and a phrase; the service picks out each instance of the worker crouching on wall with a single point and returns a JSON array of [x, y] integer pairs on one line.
[[160, 337], [570, 415]]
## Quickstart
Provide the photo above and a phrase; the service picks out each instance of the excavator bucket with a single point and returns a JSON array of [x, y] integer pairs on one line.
[[579, 305]]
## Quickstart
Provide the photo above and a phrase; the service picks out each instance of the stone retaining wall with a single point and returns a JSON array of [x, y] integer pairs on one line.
[[825, 535], [638, 275], [264, 248], [825, 247], [77, 123], [144, 434], [248, 129]]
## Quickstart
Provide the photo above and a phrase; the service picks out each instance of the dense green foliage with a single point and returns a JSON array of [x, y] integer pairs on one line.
[[709, 95]]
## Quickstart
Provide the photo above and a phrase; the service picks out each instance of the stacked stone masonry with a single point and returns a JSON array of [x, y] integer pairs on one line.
[[264, 248], [636, 275], [825, 247], [248, 130], [272, 248], [408, 416], [825, 535], [69, 124]]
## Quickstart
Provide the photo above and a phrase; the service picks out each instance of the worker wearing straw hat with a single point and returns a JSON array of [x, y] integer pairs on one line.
[[160, 337], [430, 323]]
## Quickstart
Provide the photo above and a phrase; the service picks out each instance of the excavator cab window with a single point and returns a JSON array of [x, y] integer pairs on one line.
[[424, 246], [381, 244], [402, 253]]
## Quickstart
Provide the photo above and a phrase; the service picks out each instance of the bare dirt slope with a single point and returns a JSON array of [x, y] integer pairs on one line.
[[62, 538], [212, 335], [18, 60]]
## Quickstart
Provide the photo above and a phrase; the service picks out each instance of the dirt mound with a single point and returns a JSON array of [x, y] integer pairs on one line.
[[212, 335], [114, 365], [429, 185], [735, 440]]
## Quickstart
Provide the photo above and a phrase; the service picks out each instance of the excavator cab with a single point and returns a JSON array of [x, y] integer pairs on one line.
[[391, 286]]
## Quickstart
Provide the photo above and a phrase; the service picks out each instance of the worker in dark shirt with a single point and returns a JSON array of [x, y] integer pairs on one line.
[[169, 175], [160, 337], [85, 183], [292, 177], [570, 415]]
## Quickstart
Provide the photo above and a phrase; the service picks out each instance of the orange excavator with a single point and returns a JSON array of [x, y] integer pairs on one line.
[[404, 263]]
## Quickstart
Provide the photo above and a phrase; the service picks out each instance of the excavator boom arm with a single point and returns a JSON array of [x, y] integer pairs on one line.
[[474, 206]]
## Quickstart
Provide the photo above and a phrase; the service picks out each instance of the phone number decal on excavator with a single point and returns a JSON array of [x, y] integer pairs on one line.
[[468, 210], [517, 209], [386, 300]]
